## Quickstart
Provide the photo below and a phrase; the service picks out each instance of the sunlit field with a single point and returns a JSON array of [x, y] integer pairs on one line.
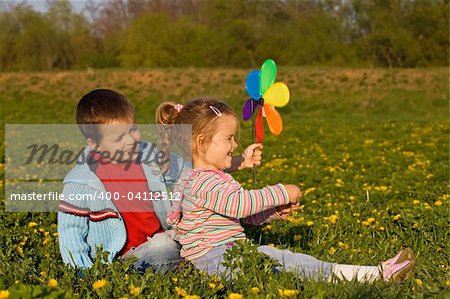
[[368, 147]]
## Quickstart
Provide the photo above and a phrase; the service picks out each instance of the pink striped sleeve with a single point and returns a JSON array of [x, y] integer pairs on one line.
[[217, 194]]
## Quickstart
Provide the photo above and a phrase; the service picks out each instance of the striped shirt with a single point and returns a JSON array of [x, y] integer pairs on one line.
[[211, 205]]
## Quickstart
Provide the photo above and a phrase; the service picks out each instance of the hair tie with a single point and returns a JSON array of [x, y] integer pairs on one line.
[[215, 110], [178, 107]]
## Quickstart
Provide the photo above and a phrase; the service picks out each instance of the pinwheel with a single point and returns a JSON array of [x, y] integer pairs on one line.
[[265, 94]]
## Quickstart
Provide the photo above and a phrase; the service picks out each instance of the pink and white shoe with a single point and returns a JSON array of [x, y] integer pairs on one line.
[[401, 256], [399, 267]]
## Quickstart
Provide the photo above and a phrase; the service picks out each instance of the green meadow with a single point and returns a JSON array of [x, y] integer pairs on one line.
[[368, 147]]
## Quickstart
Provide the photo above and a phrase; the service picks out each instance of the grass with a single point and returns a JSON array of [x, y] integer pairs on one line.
[[369, 148]]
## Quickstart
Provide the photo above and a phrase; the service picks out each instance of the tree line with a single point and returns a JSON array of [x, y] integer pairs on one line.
[[234, 33]]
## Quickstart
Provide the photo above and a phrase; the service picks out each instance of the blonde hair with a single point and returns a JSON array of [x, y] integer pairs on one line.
[[197, 113]]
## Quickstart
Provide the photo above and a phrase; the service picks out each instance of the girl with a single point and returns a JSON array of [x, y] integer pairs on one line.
[[207, 217]]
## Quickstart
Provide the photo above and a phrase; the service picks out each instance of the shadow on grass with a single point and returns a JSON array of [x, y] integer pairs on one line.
[[290, 236]]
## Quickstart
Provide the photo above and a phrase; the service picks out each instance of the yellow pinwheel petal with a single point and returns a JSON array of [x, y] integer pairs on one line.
[[277, 95]]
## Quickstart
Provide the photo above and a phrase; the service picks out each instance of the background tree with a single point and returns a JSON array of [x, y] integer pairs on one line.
[[205, 33]]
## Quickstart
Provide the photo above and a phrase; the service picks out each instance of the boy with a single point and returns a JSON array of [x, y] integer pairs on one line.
[[108, 218], [108, 178]]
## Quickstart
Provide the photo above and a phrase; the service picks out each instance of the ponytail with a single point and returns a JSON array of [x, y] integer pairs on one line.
[[165, 118]]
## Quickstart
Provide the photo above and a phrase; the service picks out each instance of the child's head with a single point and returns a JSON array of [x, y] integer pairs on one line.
[[215, 128], [107, 120]]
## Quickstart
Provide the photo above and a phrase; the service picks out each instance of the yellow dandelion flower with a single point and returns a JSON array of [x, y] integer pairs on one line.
[[32, 224], [295, 219], [19, 249], [339, 183], [309, 190], [287, 293], [365, 223], [331, 169], [343, 245], [99, 284], [333, 219], [212, 285], [415, 225], [215, 279], [356, 214], [332, 250], [181, 292], [256, 290], [444, 196], [4, 294], [381, 228], [370, 219], [46, 241], [408, 154], [352, 198], [174, 279], [43, 273], [416, 202], [438, 203], [418, 282], [383, 188], [192, 297], [309, 223], [53, 283], [397, 217], [235, 296], [297, 237], [135, 290], [267, 227]]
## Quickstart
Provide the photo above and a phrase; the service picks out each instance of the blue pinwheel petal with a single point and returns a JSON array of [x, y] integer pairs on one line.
[[252, 84]]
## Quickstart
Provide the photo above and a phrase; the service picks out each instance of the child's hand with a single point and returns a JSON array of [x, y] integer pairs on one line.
[[284, 210], [294, 193], [252, 156]]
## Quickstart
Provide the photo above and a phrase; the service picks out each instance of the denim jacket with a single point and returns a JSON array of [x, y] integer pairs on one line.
[[84, 225]]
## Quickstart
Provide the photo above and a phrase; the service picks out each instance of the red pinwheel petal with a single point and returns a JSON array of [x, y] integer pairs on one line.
[[259, 127]]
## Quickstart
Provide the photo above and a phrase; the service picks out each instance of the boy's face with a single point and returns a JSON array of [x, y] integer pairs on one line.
[[119, 141]]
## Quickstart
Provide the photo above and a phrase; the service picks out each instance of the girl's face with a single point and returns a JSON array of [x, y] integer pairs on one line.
[[223, 143]]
